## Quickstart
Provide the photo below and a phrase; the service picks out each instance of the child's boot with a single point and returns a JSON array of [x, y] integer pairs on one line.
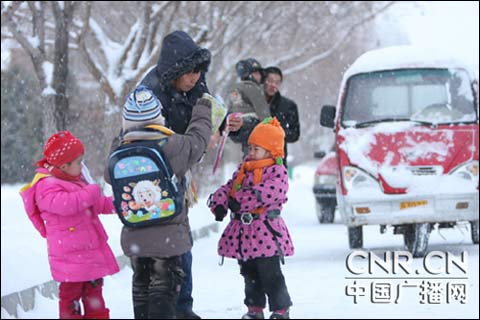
[[280, 314], [254, 313]]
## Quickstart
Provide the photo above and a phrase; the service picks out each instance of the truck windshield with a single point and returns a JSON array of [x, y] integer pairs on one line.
[[420, 95]]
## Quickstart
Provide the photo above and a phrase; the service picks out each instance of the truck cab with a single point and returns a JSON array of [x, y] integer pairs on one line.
[[407, 144]]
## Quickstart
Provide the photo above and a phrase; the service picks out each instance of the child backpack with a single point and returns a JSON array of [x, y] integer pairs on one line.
[[146, 191]]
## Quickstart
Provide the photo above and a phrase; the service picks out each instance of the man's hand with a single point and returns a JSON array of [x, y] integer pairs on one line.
[[235, 122]]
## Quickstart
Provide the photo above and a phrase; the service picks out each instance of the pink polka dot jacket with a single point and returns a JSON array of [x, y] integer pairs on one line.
[[265, 236]]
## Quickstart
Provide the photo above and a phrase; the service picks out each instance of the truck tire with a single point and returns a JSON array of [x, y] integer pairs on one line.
[[416, 238], [355, 237], [318, 211], [474, 231], [325, 213], [328, 214]]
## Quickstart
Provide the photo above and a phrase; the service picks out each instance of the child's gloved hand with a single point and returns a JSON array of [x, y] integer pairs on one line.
[[233, 205], [220, 212]]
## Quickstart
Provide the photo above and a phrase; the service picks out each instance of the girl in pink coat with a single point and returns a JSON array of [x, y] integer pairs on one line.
[[257, 235], [64, 208]]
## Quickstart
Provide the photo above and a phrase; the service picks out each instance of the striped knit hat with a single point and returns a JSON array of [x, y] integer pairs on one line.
[[141, 108]]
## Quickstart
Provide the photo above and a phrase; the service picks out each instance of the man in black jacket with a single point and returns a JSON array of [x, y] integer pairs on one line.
[[178, 81], [281, 107]]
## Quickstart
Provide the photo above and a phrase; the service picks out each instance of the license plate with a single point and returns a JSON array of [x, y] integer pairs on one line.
[[413, 204]]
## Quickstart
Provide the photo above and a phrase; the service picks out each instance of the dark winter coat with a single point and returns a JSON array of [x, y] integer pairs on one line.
[[179, 55], [286, 112], [255, 240], [182, 152], [241, 136]]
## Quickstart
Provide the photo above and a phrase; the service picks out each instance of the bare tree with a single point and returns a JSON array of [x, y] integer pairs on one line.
[[116, 43], [50, 64], [289, 35], [231, 30], [118, 64]]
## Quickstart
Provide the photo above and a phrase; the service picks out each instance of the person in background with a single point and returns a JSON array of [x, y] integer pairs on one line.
[[246, 99], [284, 109], [64, 208], [257, 235]]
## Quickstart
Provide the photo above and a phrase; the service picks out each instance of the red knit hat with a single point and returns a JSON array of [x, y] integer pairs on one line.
[[269, 135], [62, 147]]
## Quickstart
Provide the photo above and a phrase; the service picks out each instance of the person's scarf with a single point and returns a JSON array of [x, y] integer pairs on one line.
[[257, 167], [57, 172]]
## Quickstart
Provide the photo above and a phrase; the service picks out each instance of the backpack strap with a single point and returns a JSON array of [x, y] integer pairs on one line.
[[149, 132], [160, 128]]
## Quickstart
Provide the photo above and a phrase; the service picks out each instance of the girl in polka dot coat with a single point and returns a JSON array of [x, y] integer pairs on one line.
[[257, 235]]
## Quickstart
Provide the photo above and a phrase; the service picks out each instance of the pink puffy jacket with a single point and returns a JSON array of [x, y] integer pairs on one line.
[[66, 213]]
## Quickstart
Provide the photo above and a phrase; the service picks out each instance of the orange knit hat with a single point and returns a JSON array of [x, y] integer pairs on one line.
[[269, 135]]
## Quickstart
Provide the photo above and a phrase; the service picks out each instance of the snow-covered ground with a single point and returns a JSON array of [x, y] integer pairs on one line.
[[315, 275]]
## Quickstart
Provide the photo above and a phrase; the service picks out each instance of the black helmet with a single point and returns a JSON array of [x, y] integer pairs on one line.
[[246, 67]]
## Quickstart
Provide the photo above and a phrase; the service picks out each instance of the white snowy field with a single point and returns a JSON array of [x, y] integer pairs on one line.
[[315, 275]]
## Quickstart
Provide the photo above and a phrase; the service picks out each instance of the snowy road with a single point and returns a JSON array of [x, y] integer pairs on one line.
[[315, 275]]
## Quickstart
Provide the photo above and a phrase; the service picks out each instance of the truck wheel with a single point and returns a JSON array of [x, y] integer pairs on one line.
[[416, 237], [327, 214], [355, 237], [325, 211], [474, 231], [318, 211]]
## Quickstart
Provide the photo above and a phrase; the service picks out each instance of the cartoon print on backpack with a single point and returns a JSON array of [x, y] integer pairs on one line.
[[149, 202], [145, 191]]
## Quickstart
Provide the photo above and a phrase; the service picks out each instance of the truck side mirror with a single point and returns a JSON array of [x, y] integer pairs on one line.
[[327, 116], [319, 154]]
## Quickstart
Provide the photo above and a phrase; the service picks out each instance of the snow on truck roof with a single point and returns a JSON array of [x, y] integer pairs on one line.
[[404, 57]]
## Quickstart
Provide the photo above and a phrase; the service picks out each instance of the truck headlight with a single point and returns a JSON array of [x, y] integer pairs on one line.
[[354, 178], [468, 171]]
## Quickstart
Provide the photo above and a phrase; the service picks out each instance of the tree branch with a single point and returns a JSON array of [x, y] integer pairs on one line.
[[37, 56], [94, 70], [240, 30], [38, 23], [142, 38], [337, 44]]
